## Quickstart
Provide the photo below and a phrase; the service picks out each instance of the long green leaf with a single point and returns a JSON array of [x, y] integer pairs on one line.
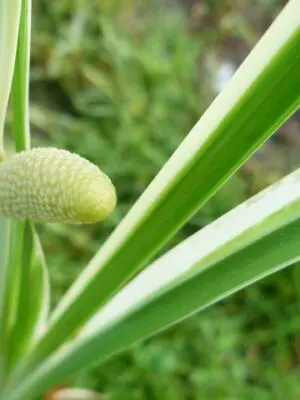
[[12, 283], [261, 95], [28, 285], [252, 241], [9, 26], [5, 235], [20, 87], [20, 129], [32, 297], [10, 11]]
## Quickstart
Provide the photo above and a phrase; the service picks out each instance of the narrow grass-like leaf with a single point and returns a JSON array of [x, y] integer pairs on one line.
[[230, 237], [33, 296], [20, 87], [12, 283], [40, 289], [252, 241], [4, 256], [15, 261], [262, 94], [28, 298], [9, 26], [10, 12], [5, 234]]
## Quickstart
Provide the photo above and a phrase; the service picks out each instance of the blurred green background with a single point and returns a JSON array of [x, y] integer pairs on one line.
[[121, 83]]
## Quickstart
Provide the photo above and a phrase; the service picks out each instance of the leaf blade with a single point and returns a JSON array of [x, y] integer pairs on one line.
[[20, 85], [10, 11], [5, 234], [28, 302], [259, 248], [32, 295], [200, 165]]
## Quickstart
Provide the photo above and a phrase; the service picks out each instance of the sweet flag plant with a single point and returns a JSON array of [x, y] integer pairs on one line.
[[121, 298]]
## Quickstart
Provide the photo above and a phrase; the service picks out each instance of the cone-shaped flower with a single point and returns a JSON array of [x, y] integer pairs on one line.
[[52, 185]]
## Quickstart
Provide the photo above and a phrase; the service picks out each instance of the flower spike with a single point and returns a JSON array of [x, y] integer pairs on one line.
[[52, 185]]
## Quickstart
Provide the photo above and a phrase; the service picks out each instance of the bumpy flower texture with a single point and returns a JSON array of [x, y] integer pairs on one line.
[[52, 185]]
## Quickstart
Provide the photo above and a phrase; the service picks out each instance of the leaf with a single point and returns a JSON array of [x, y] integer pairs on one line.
[[254, 240], [27, 301], [259, 98], [32, 297], [20, 87], [9, 25], [25, 296], [5, 232]]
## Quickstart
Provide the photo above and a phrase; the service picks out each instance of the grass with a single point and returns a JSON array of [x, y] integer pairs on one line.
[[84, 70]]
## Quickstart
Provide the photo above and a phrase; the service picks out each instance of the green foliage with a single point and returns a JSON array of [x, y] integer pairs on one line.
[[243, 348], [122, 94], [120, 84], [150, 94]]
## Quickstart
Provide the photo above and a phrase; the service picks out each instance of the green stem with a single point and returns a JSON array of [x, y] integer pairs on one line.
[[20, 86]]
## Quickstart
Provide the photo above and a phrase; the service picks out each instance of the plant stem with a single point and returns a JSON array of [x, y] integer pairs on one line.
[[20, 86]]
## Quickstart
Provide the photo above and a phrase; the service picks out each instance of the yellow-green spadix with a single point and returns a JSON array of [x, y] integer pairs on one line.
[[52, 185]]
